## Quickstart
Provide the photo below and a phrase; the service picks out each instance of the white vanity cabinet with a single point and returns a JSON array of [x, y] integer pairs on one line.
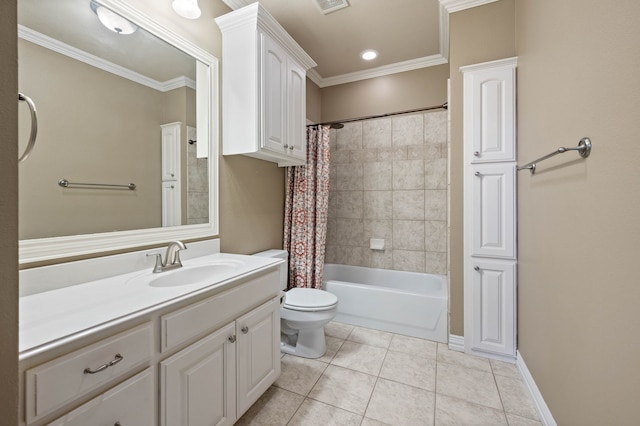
[[202, 359], [215, 380], [263, 88], [490, 209]]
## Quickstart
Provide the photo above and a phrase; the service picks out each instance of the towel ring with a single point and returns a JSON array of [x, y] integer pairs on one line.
[[34, 127]]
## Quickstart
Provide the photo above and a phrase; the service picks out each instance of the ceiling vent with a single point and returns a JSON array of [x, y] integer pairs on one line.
[[328, 6]]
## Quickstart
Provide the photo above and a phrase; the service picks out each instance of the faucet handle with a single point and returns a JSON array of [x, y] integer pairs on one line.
[[158, 267]]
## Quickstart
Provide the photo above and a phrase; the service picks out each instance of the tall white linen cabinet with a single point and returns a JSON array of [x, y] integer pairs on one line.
[[490, 209]]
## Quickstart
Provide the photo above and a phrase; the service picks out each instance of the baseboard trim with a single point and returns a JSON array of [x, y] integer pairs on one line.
[[543, 410], [456, 343]]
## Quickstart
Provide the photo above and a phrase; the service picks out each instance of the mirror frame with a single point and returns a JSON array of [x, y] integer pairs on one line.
[[41, 249]]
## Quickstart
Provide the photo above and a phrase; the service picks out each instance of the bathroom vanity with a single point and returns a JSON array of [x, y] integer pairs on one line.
[[195, 345]]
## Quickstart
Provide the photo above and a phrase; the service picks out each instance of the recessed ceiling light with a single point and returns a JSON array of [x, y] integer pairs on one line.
[[369, 55]]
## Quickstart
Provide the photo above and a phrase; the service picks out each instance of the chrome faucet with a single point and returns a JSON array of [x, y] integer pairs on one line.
[[171, 257]]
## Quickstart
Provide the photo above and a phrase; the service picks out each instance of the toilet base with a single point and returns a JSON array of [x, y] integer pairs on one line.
[[308, 343]]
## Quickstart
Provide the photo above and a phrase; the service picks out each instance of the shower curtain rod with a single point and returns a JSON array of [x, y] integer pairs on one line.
[[340, 122]]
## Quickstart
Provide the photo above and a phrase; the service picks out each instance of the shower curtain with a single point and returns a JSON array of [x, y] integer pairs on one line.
[[306, 211]]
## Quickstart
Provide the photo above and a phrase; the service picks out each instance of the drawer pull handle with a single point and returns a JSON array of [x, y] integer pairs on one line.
[[232, 338], [103, 367], [245, 329]]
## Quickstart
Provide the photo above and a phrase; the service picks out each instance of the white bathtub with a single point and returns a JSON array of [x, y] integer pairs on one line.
[[408, 303]]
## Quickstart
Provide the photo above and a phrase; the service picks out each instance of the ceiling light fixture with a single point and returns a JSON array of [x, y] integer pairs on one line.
[[369, 55], [112, 20], [187, 8]]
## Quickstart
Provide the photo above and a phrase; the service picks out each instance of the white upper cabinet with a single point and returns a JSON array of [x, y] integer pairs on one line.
[[263, 88], [489, 110]]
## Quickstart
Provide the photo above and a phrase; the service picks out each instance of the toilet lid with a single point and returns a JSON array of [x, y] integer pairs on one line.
[[309, 299]]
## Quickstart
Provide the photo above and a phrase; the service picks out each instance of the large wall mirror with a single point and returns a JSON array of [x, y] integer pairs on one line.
[[121, 100]]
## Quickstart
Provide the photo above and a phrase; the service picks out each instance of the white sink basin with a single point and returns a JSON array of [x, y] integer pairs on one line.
[[207, 273]]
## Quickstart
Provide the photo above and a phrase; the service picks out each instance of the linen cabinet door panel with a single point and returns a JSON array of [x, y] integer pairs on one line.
[[494, 306], [493, 210], [171, 151], [130, 403], [489, 104], [197, 385], [274, 101], [258, 349]]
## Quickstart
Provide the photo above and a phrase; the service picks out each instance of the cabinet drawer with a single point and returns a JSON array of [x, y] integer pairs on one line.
[[58, 382], [208, 315], [129, 403]]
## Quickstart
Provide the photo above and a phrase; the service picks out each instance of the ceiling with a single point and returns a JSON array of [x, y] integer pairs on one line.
[[408, 34]]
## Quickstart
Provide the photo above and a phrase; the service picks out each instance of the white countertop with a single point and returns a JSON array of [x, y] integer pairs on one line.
[[52, 317]]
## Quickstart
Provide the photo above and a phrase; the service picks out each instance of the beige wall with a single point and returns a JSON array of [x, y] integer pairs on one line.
[[477, 35], [579, 315], [398, 92], [94, 127], [314, 102], [9, 214]]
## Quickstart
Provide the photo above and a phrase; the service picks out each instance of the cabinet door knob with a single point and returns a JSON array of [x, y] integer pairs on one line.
[[291, 147], [477, 174], [476, 153], [245, 329], [232, 338], [476, 268], [173, 175], [286, 146]]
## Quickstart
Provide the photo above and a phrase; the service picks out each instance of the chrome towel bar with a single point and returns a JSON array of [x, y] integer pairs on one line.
[[66, 184], [34, 126], [583, 148]]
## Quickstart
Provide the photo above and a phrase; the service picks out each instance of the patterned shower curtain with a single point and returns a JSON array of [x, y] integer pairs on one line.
[[306, 211]]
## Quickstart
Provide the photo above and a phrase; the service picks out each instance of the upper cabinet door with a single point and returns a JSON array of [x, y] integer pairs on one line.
[[489, 109], [274, 96], [297, 103]]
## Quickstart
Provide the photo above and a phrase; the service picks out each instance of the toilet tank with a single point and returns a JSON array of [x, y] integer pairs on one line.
[[284, 267]]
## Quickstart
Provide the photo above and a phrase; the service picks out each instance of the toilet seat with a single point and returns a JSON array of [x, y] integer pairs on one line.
[[309, 299]]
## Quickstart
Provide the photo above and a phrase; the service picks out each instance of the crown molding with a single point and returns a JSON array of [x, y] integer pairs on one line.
[[237, 4], [452, 6], [57, 46], [410, 65], [445, 9]]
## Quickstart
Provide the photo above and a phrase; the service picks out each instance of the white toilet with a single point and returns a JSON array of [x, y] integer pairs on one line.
[[303, 315]]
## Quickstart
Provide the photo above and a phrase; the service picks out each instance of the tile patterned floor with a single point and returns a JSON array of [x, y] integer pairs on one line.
[[372, 378]]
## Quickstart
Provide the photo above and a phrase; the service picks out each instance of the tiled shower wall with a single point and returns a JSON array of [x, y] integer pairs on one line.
[[389, 180], [197, 183]]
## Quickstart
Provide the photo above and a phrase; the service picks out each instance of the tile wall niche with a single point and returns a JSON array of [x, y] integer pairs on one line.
[[389, 180]]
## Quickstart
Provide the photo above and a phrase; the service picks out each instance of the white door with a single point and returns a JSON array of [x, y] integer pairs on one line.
[[296, 92], [258, 352], [273, 102], [171, 203], [489, 109], [493, 210], [171, 151], [197, 385], [494, 301]]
